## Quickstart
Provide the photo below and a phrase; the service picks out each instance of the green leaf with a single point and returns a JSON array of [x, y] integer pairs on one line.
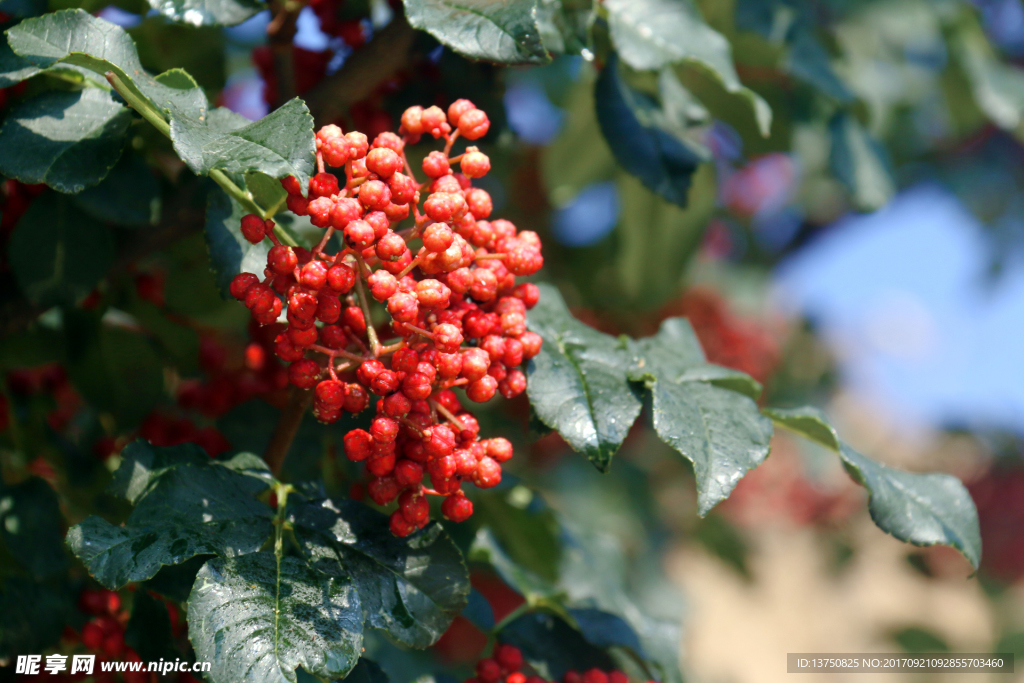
[[577, 384], [565, 25], [367, 671], [208, 12], [921, 509], [525, 527], [34, 616], [68, 140], [280, 144], [604, 629], [720, 431], [188, 509], [257, 618], [655, 239], [148, 631], [142, 464], [13, 69], [230, 252], [998, 87], [553, 647], [504, 32], [76, 37], [58, 254], [32, 527], [128, 197], [115, 369], [412, 588], [650, 34], [859, 161], [806, 57], [640, 139]]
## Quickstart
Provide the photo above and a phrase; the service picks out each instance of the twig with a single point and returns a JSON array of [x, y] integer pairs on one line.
[[286, 428]]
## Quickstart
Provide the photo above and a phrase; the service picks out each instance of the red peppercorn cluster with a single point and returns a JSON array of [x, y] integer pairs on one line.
[[506, 663], [447, 278]]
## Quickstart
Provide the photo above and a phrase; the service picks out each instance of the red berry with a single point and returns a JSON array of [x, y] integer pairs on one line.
[[254, 228], [513, 384], [482, 390], [282, 260], [474, 124], [297, 204], [435, 165], [595, 676], [617, 677], [400, 526], [369, 369], [488, 671], [384, 383], [475, 164], [304, 373], [382, 490], [353, 317], [441, 442], [374, 194], [356, 398], [320, 211], [383, 161], [291, 185], [241, 283], [403, 307], [447, 338], [382, 285], [414, 507], [403, 188], [313, 275], [509, 657], [331, 392], [328, 308], [341, 278], [457, 108], [359, 234], [437, 236], [384, 429], [479, 203], [407, 472], [381, 464], [488, 473], [391, 247], [357, 144], [416, 386], [323, 185]]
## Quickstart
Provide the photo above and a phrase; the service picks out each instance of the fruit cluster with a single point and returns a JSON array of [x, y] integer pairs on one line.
[[448, 282], [506, 663]]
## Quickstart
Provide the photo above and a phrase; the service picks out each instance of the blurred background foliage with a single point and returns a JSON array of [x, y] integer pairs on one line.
[[830, 191]]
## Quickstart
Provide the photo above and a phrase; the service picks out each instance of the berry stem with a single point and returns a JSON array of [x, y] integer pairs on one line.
[[450, 141], [419, 330], [371, 333], [336, 352], [448, 415], [486, 257], [408, 269], [299, 400], [323, 242]]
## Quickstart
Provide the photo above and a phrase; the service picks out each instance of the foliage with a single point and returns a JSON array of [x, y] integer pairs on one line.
[[118, 389]]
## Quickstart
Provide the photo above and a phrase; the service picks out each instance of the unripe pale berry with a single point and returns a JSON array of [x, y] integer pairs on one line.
[[383, 161], [437, 236], [474, 124], [488, 473], [475, 164], [482, 390], [435, 165]]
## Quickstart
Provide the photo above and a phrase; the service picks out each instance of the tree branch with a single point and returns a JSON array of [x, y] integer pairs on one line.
[[363, 72], [286, 428]]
